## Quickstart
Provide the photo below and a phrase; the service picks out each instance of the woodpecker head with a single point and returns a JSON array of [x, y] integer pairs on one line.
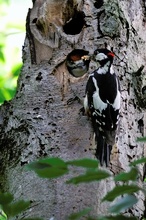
[[103, 56], [77, 62]]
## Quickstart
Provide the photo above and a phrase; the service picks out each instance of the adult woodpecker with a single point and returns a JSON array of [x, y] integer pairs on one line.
[[102, 103], [77, 62]]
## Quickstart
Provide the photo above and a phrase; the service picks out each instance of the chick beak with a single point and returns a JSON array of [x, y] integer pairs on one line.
[[85, 57]]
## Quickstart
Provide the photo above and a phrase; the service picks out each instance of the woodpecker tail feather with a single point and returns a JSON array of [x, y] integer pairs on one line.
[[103, 150]]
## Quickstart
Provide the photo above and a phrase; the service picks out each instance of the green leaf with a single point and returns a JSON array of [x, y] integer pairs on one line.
[[2, 96], [91, 175], [131, 175], [4, 2], [123, 204], [120, 190], [117, 217], [90, 218], [85, 162], [78, 215], [3, 216], [49, 167], [141, 139], [32, 219], [51, 172], [11, 93], [47, 163], [16, 69], [2, 57], [16, 208], [139, 161], [5, 198]]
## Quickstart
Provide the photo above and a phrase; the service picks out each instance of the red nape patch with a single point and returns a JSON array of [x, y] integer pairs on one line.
[[111, 54], [75, 57]]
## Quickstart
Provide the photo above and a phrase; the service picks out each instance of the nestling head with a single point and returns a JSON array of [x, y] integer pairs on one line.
[[77, 62]]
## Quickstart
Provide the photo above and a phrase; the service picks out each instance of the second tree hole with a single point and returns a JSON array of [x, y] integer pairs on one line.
[[98, 4], [75, 24]]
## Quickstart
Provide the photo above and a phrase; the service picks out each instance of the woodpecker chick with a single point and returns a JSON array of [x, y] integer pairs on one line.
[[77, 62], [102, 103]]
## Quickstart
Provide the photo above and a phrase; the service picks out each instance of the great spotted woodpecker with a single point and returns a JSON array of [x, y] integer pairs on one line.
[[102, 103], [77, 62]]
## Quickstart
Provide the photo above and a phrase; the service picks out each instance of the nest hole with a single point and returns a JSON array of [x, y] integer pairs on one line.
[[98, 4], [75, 24], [77, 62]]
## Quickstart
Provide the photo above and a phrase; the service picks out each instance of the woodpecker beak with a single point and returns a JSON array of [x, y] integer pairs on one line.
[[85, 57]]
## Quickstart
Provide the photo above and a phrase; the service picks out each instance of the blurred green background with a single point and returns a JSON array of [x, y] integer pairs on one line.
[[12, 34]]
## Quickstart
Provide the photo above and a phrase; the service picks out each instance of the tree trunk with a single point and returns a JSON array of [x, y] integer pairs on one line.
[[44, 118]]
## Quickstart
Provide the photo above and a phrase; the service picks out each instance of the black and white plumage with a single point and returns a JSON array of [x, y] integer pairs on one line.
[[77, 62], [102, 103]]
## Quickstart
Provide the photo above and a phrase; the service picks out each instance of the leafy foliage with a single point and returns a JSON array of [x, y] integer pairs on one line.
[[139, 161], [87, 163], [3, 216], [5, 198], [78, 215], [10, 207], [89, 176], [16, 207], [91, 172], [32, 219], [55, 167], [10, 48], [125, 177], [141, 139], [121, 190], [2, 1], [49, 167], [123, 204], [117, 217]]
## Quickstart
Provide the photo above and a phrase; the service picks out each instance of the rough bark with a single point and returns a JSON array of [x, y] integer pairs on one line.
[[42, 121]]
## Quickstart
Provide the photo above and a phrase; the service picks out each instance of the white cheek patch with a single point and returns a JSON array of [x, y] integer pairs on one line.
[[97, 102], [100, 56]]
